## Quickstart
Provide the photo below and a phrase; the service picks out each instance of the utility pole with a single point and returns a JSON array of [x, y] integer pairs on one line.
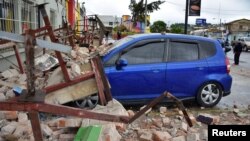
[[146, 10], [186, 17]]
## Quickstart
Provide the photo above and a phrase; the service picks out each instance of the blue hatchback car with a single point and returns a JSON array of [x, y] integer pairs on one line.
[[143, 66]]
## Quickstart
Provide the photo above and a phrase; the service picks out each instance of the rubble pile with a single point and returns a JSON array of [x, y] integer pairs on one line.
[[170, 125], [161, 124]]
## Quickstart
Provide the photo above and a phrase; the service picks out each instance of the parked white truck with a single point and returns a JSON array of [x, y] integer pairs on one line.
[[245, 42]]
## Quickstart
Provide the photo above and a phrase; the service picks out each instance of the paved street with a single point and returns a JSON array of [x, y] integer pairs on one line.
[[240, 95]]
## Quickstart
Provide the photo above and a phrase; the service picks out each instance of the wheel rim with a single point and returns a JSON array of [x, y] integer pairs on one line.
[[210, 94], [88, 102]]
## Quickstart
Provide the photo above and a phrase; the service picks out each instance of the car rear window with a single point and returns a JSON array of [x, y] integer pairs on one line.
[[183, 51], [207, 49]]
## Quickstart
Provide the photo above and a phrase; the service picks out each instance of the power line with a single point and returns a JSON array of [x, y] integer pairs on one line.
[[234, 10], [214, 10]]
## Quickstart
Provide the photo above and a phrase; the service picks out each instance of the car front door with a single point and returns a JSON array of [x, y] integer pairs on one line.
[[185, 71], [144, 75]]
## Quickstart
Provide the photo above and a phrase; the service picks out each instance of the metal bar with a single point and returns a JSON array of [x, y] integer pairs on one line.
[[150, 105], [58, 29], [40, 43], [36, 127], [181, 106], [53, 46], [41, 29], [60, 110], [104, 79], [18, 58], [99, 84], [42, 9], [42, 34], [65, 84], [11, 37], [30, 62], [71, 40], [63, 66], [186, 17]]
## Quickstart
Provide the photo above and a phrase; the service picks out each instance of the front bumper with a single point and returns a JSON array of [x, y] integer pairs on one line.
[[226, 93]]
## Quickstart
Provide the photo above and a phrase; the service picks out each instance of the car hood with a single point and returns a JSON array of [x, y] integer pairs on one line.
[[248, 43]]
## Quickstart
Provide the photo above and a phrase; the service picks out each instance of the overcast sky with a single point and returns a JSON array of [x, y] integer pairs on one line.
[[173, 11]]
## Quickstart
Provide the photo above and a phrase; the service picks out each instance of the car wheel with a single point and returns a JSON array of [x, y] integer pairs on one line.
[[209, 94], [245, 48], [88, 102]]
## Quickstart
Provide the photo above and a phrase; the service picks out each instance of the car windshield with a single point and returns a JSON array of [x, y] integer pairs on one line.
[[247, 39], [120, 42]]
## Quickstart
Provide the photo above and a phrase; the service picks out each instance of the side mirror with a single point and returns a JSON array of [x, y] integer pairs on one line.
[[121, 63], [227, 49]]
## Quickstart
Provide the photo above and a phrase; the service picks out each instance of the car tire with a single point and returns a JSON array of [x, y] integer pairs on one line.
[[245, 48], [88, 102], [209, 94]]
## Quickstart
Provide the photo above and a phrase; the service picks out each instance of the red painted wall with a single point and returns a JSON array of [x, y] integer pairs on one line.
[[71, 12]]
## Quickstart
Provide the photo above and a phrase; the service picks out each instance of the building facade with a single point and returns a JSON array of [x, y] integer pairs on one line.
[[238, 28], [18, 15]]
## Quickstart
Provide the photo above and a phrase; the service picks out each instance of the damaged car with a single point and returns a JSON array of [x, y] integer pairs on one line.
[[141, 67]]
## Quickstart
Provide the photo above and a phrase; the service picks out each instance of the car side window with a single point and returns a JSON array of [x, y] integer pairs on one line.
[[207, 49], [145, 54], [183, 51]]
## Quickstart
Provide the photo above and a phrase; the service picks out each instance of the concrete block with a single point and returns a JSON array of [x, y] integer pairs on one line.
[[161, 136]]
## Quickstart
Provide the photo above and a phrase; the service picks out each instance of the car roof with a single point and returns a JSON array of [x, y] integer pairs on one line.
[[170, 35], [145, 36]]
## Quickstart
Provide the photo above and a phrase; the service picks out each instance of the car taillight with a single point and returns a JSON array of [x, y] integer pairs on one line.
[[228, 65]]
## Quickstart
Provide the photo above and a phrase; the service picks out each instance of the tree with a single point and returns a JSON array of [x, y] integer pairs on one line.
[[158, 26], [138, 9], [176, 29], [122, 28]]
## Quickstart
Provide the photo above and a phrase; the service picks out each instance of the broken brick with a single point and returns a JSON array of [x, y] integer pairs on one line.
[[161, 136]]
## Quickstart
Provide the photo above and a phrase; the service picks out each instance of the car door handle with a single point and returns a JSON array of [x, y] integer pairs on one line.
[[200, 68], [155, 70]]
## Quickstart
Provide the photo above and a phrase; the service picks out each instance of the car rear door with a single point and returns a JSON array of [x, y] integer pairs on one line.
[[185, 71], [144, 76]]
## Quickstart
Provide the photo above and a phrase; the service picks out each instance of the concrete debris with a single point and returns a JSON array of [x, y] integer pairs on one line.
[[55, 78], [109, 133], [235, 110], [131, 113], [22, 79], [23, 129], [75, 70], [2, 97], [45, 62], [114, 108], [10, 94], [145, 136], [9, 129], [203, 134], [10, 73], [193, 137], [157, 122], [66, 137], [47, 132], [180, 138], [22, 117], [161, 136], [10, 115], [166, 121], [3, 89], [65, 122], [184, 126], [3, 123], [163, 110]]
